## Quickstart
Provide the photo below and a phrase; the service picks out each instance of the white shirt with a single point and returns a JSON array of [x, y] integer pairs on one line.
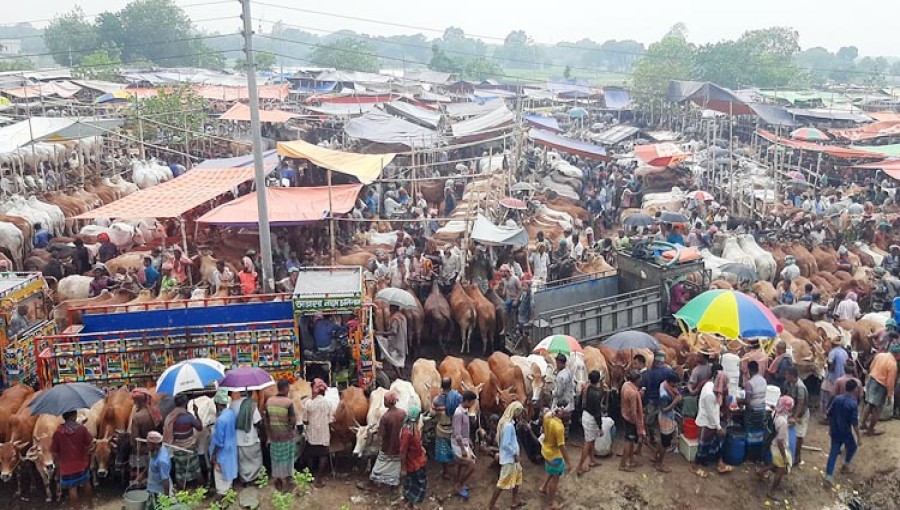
[[247, 438], [390, 207], [708, 415], [790, 272], [578, 251], [540, 262], [847, 310]]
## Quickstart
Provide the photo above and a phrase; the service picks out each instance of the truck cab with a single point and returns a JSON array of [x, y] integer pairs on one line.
[[25, 308]]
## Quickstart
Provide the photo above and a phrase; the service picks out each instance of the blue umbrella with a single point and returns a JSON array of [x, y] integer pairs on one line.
[[65, 398], [631, 340], [194, 374]]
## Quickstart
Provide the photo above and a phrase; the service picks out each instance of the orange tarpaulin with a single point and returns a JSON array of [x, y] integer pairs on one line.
[[831, 150], [889, 166], [287, 206], [241, 112], [884, 116], [870, 131], [660, 154]]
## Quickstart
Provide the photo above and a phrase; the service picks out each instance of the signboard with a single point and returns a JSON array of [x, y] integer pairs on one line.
[[328, 304]]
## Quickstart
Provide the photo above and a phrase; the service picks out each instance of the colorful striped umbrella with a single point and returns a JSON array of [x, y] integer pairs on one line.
[[730, 314], [810, 134], [558, 344], [118, 96], [193, 374]]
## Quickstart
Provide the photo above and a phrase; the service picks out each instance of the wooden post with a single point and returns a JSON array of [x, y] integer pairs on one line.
[[331, 216], [185, 247]]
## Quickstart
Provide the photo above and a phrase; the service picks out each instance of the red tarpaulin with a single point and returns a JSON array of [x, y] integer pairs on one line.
[[660, 154], [568, 145], [287, 206], [889, 166], [831, 150], [870, 131], [241, 112]]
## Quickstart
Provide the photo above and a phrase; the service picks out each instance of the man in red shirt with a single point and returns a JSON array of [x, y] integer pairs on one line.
[[633, 420], [71, 448]]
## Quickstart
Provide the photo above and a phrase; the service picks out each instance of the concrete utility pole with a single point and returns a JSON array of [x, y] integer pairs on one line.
[[265, 236]]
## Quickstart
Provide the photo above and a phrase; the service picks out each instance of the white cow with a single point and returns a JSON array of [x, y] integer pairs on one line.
[[12, 239], [74, 287], [765, 262], [733, 252], [364, 433]]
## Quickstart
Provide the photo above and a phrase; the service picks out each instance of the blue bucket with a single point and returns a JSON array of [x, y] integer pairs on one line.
[[755, 437], [735, 446]]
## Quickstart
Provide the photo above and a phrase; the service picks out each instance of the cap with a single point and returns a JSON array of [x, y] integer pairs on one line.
[[154, 437], [659, 356], [222, 398]]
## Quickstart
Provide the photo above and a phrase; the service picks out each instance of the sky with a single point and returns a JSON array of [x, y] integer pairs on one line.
[[827, 23]]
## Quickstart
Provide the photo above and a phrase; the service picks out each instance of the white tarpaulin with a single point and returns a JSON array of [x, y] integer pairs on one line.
[[52, 129], [489, 234], [425, 117], [381, 127], [499, 117], [472, 109]]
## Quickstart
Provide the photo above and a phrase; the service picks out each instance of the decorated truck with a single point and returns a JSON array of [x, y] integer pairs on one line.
[[25, 308]]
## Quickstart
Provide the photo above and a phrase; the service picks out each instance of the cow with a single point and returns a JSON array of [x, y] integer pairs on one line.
[[427, 382], [40, 452], [112, 439], [486, 314], [511, 380], [455, 369], [299, 393], [351, 412], [463, 310], [365, 445], [21, 431], [406, 395], [10, 402], [533, 377], [594, 360], [438, 316]]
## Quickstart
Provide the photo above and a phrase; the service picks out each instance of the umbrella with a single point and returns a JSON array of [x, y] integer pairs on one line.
[[577, 113], [730, 314], [514, 203], [119, 96], [742, 271], [557, 344], [246, 378], [638, 220], [702, 196], [398, 297], [793, 174], [797, 182], [64, 398], [672, 217], [193, 374], [631, 340], [809, 134]]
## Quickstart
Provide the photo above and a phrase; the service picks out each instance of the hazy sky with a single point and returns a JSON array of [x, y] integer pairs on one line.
[[827, 23]]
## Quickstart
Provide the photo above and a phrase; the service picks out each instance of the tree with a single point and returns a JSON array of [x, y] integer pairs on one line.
[[479, 69], [19, 64], [848, 53], [347, 53], [519, 51], [895, 71], [99, 65], [567, 72], [264, 61], [167, 115], [70, 37], [770, 56], [441, 62], [671, 58]]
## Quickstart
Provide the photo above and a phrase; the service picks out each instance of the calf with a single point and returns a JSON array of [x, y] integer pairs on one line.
[[40, 452], [427, 382]]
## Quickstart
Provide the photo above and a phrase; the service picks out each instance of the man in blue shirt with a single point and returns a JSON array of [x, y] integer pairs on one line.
[[223, 453], [650, 383], [151, 275], [843, 420], [160, 466], [289, 172], [371, 203], [41, 236], [322, 332]]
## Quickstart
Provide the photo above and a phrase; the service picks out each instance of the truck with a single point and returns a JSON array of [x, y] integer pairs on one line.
[[19, 342], [595, 306]]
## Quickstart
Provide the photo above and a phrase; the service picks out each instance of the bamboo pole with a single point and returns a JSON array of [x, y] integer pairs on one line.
[[332, 224]]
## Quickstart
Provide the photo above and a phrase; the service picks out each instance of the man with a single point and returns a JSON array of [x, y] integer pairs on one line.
[[167, 282], [107, 250], [699, 375], [755, 354], [650, 384], [249, 447], [144, 419], [553, 449], [371, 203], [393, 342], [19, 321], [221, 276], [836, 361], [100, 282], [71, 449], [317, 416], [540, 262], [180, 265], [776, 373], [512, 290], [280, 422], [780, 447], [807, 293], [639, 363], [148, 277], [709, 421], [323, 332], [755, 400], [82, 258], [461, 443], [842, 422], [413, 461], [799, 418], [42, 236], [669, 398], [160, 467], [180, 430], [223, 453], [564, 388], [591, 420], [880, 387], [848, 309], [632, 419], [388, 467], [510, 468], [791, 271], [443, 451], [840, 385]]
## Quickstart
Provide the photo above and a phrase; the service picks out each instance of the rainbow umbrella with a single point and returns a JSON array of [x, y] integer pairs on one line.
[[557, 344], [118, 96], [810, 134], [730, 314]]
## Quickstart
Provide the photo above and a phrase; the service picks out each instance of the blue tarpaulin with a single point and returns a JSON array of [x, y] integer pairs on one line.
[[542, 122], [616, 99], [568, 145]]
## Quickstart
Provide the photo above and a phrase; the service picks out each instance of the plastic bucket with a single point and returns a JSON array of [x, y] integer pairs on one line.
[[773, 393], [691, 431], [735, 446], [136, 499], [755, 436]]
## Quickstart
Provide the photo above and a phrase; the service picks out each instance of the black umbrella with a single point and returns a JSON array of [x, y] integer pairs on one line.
[[631, 340], [742, 271], [673, 217], [64, 398], [638, 220]]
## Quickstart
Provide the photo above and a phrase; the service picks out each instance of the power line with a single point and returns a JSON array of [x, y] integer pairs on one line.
[[100, 48], [207, 20], [45, 20]]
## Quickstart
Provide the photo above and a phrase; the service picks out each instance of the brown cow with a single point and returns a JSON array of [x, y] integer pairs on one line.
[[40, 452], [464, 314], [455, 369], [827, 261], [594, 360], [766, 293], [480, 372], [21, 431], [427, 381], [487, 317], [10, 402], [438, 316], [511, 380], [351, 412], [415, 323]]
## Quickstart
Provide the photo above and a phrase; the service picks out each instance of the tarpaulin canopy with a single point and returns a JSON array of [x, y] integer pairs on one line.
[[831, 150], [270, 161], [472, 109], [489, 234], [660, 154], [423, 116], [829, 114], [891, 151], [172, 199], [341, 109], [226, 93], [708, 95], [351, 98], [568, 145], [52, 129], [287, 206], [615, 98], [381, 127], [543, 122], [241, 112], [63, 89], [888, 166], [885, 116], [491, 121], [615, 134], [365, 167], [773, 115], [869, 131]]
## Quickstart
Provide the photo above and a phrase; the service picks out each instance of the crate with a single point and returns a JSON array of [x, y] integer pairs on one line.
[[688, 447]]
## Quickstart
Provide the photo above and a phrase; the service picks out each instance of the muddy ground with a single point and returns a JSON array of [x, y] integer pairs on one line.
[[875, 484]]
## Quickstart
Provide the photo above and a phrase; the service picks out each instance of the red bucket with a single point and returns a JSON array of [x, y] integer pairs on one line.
[[690, 429]]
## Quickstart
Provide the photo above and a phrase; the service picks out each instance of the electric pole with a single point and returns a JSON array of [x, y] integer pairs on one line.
[[265, 236]]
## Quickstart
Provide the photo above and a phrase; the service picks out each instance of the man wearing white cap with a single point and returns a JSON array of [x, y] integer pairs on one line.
[[160, 466]]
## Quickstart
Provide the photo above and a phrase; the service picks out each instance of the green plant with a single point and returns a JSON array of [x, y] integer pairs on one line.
[[164, 502], [263, 480], [282, 500], [345, 506], [302, 479], [188, 498]]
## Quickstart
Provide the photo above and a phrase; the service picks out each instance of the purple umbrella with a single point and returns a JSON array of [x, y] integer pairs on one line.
[[246, 378]]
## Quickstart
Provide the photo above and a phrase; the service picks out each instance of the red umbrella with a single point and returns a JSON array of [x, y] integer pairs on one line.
[[514, 203]]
